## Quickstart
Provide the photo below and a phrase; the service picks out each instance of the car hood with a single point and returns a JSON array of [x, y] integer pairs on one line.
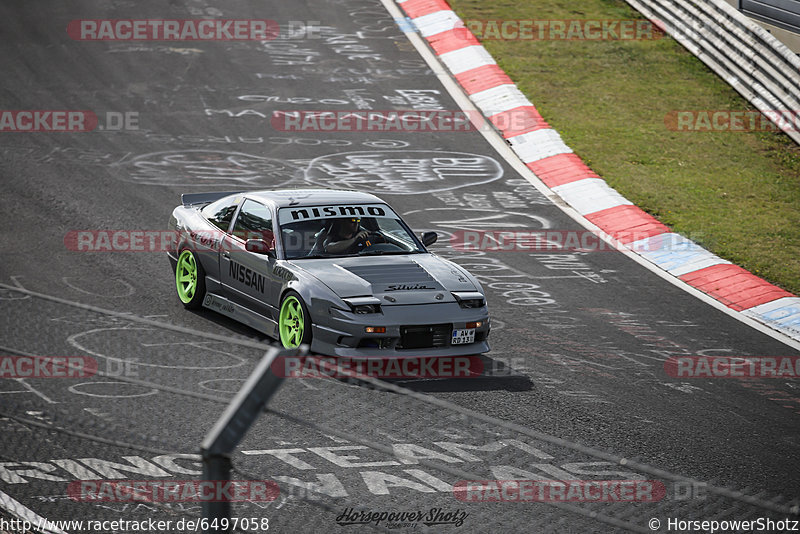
[[396, 280]]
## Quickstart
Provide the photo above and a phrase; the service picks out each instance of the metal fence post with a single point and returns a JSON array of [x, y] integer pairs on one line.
[[231, 427], [216, 467]]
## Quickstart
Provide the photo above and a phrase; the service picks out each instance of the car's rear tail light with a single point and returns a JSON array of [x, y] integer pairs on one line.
[[375, 329]]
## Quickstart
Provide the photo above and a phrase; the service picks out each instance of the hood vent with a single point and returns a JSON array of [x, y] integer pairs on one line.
[[404, 273]]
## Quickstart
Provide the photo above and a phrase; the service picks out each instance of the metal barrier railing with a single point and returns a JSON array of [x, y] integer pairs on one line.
[[761, 68]]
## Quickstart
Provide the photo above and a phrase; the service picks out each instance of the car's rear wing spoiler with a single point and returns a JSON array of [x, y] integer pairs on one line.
[[193, 199]]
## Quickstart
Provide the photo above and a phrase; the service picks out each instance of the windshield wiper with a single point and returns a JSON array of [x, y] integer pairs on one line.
[[381, 252], [317, 256]]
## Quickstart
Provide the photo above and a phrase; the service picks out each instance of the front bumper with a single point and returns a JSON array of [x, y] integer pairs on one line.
[[342, 333]]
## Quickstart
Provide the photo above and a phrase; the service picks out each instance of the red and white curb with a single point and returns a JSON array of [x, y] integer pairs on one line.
[[542, 150]]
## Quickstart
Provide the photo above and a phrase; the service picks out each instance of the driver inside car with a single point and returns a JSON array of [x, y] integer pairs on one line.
[[345, 236]]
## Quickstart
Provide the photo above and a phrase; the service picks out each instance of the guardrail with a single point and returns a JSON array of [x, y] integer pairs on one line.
[[758, 66], [779, 13]]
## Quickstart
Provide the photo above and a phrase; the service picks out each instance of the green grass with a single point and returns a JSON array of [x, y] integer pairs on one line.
[[735, 193]]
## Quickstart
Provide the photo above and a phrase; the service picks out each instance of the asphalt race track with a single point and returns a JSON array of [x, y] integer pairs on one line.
[[575, 380]]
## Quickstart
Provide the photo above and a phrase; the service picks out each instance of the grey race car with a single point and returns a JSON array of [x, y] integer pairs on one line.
[[338, 270]]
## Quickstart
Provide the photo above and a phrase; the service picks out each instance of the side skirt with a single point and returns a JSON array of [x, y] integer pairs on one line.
[[241, 314]]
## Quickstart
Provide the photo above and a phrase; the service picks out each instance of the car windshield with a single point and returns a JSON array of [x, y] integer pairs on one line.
[[341, 231]]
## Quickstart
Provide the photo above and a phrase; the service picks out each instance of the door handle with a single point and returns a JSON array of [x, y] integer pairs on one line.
[[226, 255]]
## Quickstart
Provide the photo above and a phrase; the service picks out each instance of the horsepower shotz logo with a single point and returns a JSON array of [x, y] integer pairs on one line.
[[407, 287], [434, 516], [247, 276]]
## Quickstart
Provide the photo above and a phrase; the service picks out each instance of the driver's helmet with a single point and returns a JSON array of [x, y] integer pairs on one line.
[[345, 226]]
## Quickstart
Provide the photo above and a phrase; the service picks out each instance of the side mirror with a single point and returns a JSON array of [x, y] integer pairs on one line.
[[257, 246], [429, 238]]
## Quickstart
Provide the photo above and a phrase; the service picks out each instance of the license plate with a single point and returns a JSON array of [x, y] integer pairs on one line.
[[463, 336]]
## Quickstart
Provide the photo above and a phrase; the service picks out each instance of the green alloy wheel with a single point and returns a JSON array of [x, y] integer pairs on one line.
[[190, 279], [294, 325]]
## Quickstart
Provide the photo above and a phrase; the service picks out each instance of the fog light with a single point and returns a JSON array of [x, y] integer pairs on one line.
[[475, 324], [375, 329]]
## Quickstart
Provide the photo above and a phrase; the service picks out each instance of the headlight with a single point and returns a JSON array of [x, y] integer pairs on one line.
[[364, 305], [366, 308], [470, 299]]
